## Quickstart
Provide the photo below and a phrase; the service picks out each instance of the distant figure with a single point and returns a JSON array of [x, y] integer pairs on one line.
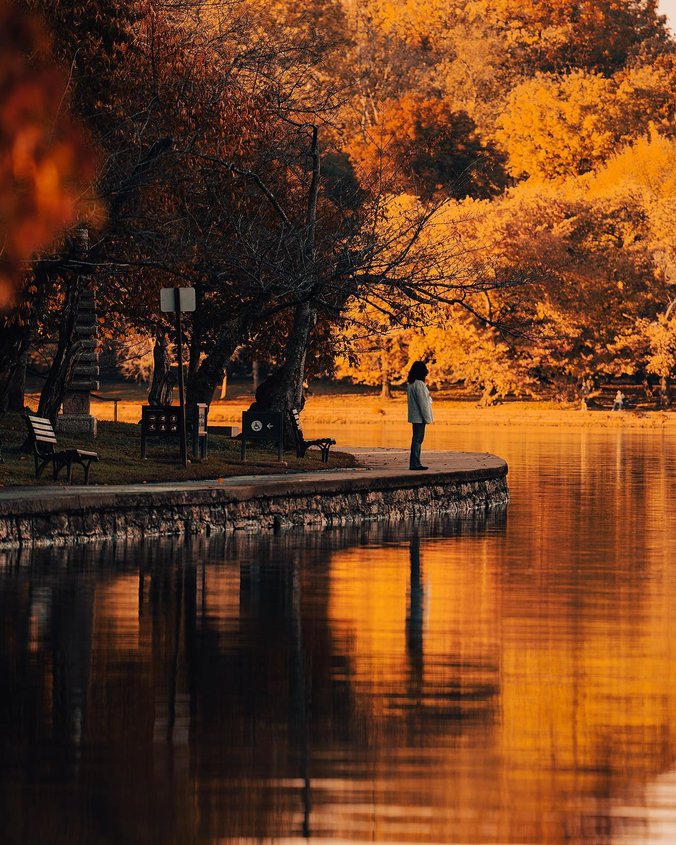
[[419, 410], [618, 402]]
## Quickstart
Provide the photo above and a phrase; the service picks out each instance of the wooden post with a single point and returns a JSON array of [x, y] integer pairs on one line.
[[181, 387]]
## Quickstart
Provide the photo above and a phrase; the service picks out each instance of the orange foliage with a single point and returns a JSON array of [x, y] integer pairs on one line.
[[45, 161], [415, 23], [424, 145]]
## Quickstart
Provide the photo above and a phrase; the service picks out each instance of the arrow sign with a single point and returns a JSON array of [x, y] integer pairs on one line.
[[266, 426]]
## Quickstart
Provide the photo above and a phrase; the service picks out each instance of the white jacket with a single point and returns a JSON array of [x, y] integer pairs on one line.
[[419, 403]]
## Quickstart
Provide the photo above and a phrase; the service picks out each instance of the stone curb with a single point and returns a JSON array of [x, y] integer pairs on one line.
[[94, 498], [63, 516]]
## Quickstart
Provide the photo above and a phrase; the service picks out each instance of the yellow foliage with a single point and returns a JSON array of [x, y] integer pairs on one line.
[[411, 21], [651, 343], [465, 351], [645, 172], [560, 126]]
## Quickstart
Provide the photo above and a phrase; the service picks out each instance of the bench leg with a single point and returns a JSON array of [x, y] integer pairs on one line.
[[69, 472], [58, 466], [86, 467]]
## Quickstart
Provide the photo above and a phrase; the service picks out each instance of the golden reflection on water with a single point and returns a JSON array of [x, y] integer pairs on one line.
[[506, 678]]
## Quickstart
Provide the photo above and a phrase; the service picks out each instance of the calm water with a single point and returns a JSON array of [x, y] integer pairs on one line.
[[509, 679]]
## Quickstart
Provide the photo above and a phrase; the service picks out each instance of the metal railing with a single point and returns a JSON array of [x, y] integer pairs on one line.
[[100, 398]]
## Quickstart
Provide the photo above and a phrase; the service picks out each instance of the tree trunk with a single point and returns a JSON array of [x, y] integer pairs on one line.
[[665, 392], [14, 340], [202, 384], [162, 385], [16, 331], [283, 389], [385, 386], [256, 373], [17, 387], [64, 357], [488, 396]]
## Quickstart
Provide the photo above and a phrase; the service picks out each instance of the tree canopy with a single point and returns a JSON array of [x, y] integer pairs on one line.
[[488, 184]]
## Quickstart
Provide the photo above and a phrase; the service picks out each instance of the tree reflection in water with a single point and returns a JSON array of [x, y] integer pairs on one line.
[[387, 681]]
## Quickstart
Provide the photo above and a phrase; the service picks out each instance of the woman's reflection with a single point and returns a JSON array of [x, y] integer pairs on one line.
[[414, 614]]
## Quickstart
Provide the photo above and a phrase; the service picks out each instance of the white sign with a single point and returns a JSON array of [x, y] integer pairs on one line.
[[186, 298]]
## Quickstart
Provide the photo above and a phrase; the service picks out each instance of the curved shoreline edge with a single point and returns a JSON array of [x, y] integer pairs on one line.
[[59, 516]]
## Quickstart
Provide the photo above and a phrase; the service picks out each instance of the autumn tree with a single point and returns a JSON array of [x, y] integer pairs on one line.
[[371, 348], [467, 351], [644, 175], [560, 126], [45, 165], [474, 52], [426, 146], [150, 91], [599, 36], [260, 154], [591, 270], [648, 346]]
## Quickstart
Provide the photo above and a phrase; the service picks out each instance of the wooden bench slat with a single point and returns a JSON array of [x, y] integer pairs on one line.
[[41, 426]]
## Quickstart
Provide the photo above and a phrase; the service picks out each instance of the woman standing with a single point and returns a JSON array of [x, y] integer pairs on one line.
[[419, 410]]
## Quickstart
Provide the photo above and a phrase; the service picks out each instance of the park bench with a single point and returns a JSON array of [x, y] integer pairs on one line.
[[302, 445], [44, 443]]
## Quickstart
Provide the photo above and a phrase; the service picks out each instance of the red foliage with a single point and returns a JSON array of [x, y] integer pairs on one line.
[[46, 162]]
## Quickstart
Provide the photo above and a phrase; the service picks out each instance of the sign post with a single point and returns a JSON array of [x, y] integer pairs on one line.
[[263, 425], [179, 300]]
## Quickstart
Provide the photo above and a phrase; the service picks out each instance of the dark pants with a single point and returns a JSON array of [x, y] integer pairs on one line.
[[416, 445]]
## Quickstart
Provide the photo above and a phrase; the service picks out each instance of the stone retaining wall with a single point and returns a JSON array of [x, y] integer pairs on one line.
[[107, 513]]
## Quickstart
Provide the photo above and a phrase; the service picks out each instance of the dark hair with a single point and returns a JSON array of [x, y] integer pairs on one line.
[[418, 371]]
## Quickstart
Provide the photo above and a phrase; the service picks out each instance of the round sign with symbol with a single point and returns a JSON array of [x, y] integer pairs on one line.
[[256, 425]]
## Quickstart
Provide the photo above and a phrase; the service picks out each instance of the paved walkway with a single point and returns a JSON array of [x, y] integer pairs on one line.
[[397, 459]]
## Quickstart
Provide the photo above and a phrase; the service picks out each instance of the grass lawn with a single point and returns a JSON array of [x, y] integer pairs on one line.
[[119, 449]]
